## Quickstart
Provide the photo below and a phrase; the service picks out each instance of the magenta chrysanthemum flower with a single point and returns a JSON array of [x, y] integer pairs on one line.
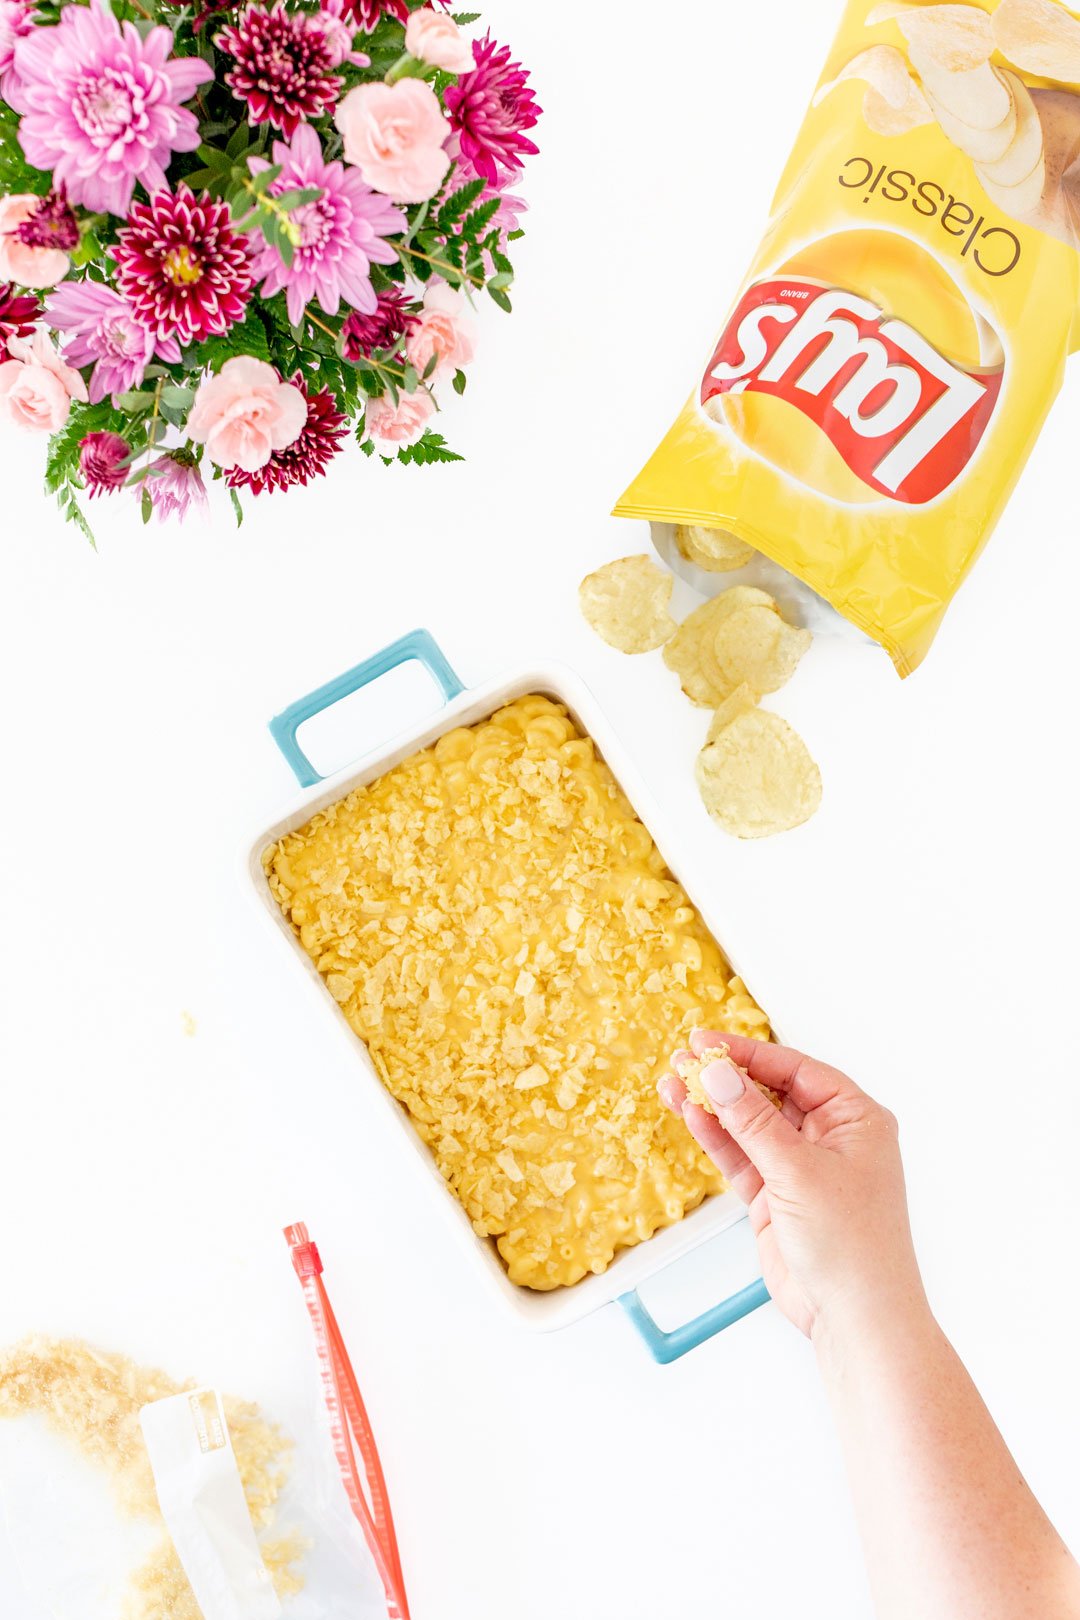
[[490, 108], [101, 105], [341, 233], [17, 18], [103, 462], [102, 332], [363, 334], [175, 485], [51, 225], [182, 268], [18, 313], [369, 13], [318, 441], [284, 66]]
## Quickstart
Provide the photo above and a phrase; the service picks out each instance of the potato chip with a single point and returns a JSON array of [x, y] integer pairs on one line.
[[689, 1070], [751, 645], [1025, 152], [757, 778], [886, 120], [626, 603], [1039, 37], [744, 697], [975, 109], [683, 651], [712, 549], [882, 67], [953, 38]]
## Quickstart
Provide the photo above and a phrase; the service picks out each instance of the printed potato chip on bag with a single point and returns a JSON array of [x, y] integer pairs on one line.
[[903, 328]]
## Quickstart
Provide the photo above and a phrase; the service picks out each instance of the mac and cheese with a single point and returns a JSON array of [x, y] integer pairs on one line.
[[501, 931]]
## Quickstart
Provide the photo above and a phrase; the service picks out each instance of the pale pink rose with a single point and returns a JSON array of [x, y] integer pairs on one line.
[[28, 266], [433, 37], [36, 387], [245, 413], [394, 133], [394, 426], [443, 329]]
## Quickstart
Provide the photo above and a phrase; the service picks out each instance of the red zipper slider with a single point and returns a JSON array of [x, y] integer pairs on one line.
[[350, 1426]]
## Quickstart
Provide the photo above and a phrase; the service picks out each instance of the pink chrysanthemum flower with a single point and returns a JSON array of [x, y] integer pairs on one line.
[[341, 233], [102, 332], [390, 320], [104, 462], [101, 105], [334, 21], [175, 485], [318, 441], [51, 225], [17, 18], [284, 66], [490, 108], [182, 268], [18, 315]]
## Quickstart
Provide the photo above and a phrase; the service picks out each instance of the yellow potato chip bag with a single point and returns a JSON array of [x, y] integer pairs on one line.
[[903, 327]]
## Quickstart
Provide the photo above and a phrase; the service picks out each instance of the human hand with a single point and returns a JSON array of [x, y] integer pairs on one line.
[[821, 1175]]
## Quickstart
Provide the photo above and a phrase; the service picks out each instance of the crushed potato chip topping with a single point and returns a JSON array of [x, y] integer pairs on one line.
[[689, 1070], [92, 1399], [500, 929]]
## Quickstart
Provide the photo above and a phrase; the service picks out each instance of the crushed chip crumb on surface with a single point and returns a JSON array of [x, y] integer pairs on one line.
[[520, 963], [92, 1399]]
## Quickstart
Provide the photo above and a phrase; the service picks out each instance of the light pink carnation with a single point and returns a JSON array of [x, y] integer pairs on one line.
[[434, 37], [36, 387], [444, 331], [245, 413], [101, 105], [27, 266], [394, 133], [394, 426]]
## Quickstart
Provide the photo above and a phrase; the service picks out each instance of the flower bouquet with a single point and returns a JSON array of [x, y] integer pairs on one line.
[[230, 237]]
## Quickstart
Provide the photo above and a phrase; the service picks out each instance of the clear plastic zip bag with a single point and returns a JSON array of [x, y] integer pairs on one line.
[[129, 1496]]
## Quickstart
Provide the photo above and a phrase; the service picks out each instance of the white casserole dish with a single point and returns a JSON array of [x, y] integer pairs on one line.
[[543, 1311]]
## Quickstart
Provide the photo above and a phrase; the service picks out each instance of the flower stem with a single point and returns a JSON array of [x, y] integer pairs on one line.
[[438, 264]]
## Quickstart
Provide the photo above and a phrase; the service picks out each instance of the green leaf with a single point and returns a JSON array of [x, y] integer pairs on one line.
[[146, 505], [460, 381], [479, 218], [248, 336], [501, 299], [238, 510], [464, 18], [428, 450], [296, 199], [136, 400], [459, 202], [239, 142], [410, 380]]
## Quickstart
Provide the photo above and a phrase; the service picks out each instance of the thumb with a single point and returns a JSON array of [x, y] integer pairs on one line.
[[770, 1142]]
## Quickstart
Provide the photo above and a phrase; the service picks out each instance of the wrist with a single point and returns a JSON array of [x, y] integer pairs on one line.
[[869, 1318]]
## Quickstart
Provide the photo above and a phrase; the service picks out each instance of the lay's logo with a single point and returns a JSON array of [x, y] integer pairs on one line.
[[902, 417]]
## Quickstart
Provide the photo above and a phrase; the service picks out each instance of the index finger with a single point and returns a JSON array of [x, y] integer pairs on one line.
[[807, 1082]]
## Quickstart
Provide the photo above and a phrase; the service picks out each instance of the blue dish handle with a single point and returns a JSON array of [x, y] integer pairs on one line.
[[418, 644], [669, 1346]]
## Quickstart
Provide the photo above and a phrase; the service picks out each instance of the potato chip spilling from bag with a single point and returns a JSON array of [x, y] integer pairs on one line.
[[712, 549], [626, 603], [756, 776], [1039, 36], [739, 637], [953, 38]]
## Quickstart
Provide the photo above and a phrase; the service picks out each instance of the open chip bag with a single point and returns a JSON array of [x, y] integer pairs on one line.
[[903, 328], [132, 1495]]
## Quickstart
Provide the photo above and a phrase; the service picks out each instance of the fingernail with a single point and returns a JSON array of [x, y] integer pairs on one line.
[[723, 1081], [663, 1086]]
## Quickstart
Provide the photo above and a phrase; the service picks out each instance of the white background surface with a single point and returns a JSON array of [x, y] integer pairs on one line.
[[919, 932]]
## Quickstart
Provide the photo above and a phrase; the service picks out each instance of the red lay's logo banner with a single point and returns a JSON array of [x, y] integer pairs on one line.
[[902, 416]]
